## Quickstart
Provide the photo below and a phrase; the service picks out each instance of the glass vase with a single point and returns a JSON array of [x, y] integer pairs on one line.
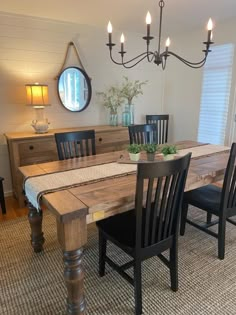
[[126, 116], [113, 119], [131, 111]]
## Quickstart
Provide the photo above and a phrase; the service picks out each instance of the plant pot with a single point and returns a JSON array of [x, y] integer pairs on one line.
[[168, 157], [151, 156], [134, 156]]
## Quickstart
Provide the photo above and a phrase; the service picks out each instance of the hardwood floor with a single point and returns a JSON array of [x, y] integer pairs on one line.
[[13, 210]]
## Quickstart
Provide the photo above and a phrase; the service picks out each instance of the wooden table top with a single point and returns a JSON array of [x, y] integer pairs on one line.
[[111, 196]]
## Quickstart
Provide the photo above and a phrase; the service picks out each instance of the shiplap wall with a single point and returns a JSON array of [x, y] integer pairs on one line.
[[33, 50]]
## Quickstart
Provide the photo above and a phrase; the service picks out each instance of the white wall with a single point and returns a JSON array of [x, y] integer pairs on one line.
[[33, 50], [183, 85]]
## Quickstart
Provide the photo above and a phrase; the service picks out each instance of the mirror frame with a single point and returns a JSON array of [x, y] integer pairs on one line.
[[88, 81]]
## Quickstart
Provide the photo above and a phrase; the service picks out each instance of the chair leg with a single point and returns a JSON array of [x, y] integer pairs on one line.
[[184, 214], [138, 287], [174, 267], [209, 217], [102, 254], [221, 238], [2, 199]]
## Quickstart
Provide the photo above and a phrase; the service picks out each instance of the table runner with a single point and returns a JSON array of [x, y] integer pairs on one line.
[[36, 186], [205, 150]]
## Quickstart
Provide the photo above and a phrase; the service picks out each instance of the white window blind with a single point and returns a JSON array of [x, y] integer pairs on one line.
[[216, 85]]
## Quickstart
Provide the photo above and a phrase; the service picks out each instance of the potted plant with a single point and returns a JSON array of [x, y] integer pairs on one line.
[[130, 90], [169, 151], [134, 151], [150, 149], [112, 98]]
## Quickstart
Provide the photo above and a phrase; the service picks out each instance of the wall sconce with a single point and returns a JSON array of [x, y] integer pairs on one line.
[[37, 96]]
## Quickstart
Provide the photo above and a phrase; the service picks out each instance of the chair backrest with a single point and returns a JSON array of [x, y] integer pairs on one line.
[[142, 134], [162, 122], [228, 196], [75, 144], [159, 194]]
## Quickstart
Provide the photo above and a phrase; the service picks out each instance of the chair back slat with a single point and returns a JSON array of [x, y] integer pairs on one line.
[[169, 206], [229, 186], [162, 122], [75, 144], [148, 211], [142, 134], [157, 207]]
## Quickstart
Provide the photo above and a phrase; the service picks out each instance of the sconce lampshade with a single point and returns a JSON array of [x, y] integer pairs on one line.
[[37, 95]]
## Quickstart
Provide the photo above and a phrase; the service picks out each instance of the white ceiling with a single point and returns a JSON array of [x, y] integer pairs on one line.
[[127, 14]]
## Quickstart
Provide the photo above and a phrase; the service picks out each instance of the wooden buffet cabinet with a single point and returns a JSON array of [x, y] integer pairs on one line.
[[27, 148]]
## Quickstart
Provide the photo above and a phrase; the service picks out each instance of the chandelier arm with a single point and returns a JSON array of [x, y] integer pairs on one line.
[[122, 63], [186, 61], [163, 63], [129, 67], [191, 65]]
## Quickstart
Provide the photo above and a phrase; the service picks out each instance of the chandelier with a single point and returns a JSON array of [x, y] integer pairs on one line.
[[158, 57]]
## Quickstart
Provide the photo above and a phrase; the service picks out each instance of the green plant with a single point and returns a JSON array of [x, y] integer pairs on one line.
[[134, 148], [169, 149], [130, 89], [112, 98], [150, 147]]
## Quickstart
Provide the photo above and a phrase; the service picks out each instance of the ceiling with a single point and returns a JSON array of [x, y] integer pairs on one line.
[[129, 15]]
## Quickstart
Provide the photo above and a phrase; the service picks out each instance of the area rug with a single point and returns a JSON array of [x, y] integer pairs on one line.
[[32, 284]]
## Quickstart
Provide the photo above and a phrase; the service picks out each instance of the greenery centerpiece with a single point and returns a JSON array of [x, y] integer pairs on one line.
[[130, 90], [168, 151], [112, 99], [151, 149], [134, 151]]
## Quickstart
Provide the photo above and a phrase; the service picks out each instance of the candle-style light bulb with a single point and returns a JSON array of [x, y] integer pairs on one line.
[[148, 18], [168, 42], [109, 27], [148, 22], [122, 40], [210, 25], [209, 28]]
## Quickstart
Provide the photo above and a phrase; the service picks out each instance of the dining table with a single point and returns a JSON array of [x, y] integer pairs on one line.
[[83, 190]]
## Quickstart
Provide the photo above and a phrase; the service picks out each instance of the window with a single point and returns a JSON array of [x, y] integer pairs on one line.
[[217, 74]]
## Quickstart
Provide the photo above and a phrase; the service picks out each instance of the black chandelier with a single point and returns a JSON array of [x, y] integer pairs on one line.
[[158, 57]]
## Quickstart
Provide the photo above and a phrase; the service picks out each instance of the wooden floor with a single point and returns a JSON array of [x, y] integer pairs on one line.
[[13, 210]]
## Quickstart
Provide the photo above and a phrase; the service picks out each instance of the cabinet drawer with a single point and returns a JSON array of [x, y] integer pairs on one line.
[[37, 151], [112, 140]]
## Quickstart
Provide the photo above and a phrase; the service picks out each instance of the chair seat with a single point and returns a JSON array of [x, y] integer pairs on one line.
[[206, 198], [120, 229]]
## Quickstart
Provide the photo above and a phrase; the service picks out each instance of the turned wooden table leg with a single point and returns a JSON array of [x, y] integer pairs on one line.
[[72, 237], [35, 219]]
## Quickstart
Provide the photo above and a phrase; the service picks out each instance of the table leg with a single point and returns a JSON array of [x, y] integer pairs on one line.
[[72, 236], [35, 219]]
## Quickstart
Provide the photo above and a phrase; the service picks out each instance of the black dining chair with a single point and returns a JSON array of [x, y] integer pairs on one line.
[[75, 144], [152, 226], [215, 201], [162, 122], [142, 134]]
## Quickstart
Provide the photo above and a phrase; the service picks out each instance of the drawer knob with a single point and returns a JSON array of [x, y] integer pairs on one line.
[[100, 139], [31, 147]]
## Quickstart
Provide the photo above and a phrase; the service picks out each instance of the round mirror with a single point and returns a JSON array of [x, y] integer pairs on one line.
[[74, 89]]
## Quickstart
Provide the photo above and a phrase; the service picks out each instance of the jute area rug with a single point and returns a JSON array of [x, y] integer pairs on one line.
[[33, 283]]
